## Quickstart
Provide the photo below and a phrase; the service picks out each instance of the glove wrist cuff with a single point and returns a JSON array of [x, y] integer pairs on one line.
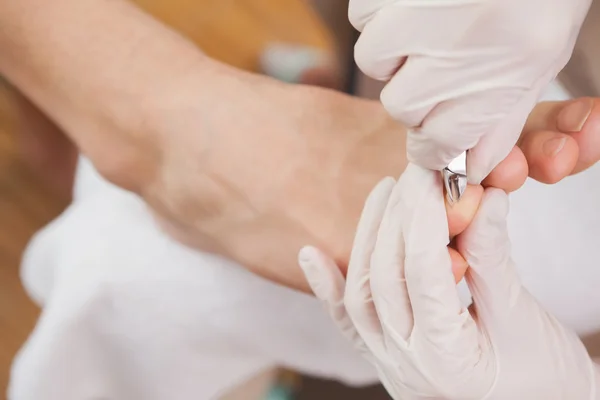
[[595, 394]]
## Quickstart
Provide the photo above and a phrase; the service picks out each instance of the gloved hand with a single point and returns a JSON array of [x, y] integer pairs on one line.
[[399, 304], [464, 74]]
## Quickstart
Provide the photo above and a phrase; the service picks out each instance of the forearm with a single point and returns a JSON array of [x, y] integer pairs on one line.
[[101, 70]]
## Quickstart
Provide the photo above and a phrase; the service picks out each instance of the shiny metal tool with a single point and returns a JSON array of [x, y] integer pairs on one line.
[[455, 178]]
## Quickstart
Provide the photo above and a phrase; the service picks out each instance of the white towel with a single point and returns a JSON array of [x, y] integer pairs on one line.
[[129, 314]]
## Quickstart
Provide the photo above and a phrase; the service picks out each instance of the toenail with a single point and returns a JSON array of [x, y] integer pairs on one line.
[[553, 146], [572, 118]]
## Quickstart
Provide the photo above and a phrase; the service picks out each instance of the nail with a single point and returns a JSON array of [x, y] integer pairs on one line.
[[573, 117], [553, 146]]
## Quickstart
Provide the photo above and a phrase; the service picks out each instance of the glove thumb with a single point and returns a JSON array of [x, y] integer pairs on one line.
[[494, 146], [492, 277]]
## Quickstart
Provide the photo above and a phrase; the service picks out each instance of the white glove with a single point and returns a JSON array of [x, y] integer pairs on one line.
[[400, 307], [464, 73]]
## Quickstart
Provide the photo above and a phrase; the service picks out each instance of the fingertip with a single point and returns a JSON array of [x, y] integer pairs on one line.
[[462, 213], [579, 118], [306, 257], [317, 269], [307, 254], [574, 114], [587, 137], [459, 264], [551, 156], [511, 173]]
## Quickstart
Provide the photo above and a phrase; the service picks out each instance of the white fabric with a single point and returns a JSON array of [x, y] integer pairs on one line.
[[485, 63], [132, 315], [398, 303]]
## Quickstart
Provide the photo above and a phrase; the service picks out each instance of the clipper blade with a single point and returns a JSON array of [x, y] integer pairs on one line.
[[455, 178], [455, 185]]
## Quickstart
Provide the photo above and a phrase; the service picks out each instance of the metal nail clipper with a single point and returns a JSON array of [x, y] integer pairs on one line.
[[455, 178]]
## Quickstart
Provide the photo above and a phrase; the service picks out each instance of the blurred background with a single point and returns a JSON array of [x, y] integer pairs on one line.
[[299, 41]]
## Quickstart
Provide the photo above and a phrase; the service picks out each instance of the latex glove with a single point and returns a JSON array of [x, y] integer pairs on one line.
[[464, 74], [399, 304]]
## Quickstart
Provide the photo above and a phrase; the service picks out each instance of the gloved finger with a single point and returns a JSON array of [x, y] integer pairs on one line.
[[404, 100], [327, 283], [377, 58], [510, 174], [491, 277], [324, 282], [551, 156], [357, 297], [379, 50], [360, 12], [444, 332], [323, 276], [388, 285], [429, 279]]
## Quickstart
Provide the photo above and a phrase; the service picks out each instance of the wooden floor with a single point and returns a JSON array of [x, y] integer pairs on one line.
[[234, 32], [25, 206]]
